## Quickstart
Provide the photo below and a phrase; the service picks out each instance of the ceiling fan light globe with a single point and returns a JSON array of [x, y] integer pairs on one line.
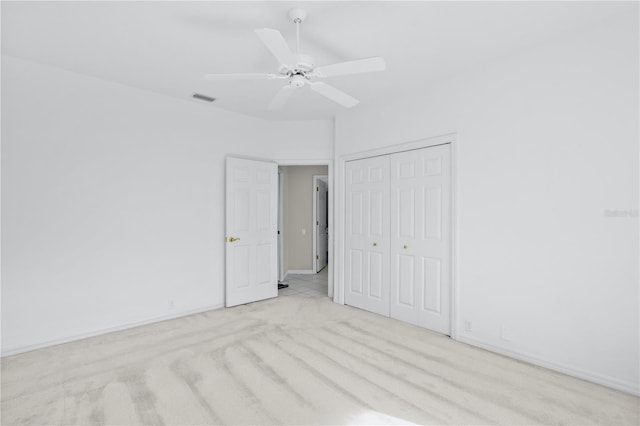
[[297, 81]]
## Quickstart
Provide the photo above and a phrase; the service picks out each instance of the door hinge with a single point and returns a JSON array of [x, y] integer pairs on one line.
[[317, 189], [317, 223], [317, 257]]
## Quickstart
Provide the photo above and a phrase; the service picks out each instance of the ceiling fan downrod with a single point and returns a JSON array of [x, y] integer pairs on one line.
[[298, 16]]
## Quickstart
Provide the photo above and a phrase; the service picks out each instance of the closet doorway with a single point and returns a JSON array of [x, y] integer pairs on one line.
[[398, 239]]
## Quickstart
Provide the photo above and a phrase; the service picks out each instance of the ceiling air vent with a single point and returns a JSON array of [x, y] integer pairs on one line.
[[203, 97]]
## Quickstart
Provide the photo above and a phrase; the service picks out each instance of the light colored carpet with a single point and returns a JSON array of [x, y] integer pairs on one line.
[[292, 360]]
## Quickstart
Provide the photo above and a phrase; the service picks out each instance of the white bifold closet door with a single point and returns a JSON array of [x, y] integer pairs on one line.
[[420, 247], [367, 234], [398, 236]]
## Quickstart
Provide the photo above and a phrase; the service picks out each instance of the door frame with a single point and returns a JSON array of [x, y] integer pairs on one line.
[[340, 204], [314, 253], [331, 216], [281, 272]]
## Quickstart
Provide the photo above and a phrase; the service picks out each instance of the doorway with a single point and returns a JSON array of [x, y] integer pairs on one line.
[[320, 193], [303, 235]]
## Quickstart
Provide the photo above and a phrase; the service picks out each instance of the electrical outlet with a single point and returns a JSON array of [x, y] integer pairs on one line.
[[467, 326]]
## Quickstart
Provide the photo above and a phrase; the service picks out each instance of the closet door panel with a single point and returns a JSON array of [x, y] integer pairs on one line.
[[376, 268], [435, 312], [420, 244], [432, 298], [367, 234], [406, 281], [355, 278]]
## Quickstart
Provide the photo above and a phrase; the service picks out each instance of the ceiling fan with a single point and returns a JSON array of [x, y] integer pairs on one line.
[[300, 70]]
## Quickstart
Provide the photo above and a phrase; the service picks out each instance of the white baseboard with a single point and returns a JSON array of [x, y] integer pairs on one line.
[[299, 271], [21, 349], [611, 382]]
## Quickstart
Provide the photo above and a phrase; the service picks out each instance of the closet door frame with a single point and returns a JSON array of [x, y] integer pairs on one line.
[[339, 260]]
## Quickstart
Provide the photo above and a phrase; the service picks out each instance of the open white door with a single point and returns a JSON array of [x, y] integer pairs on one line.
[[322, 228], [251, 231]]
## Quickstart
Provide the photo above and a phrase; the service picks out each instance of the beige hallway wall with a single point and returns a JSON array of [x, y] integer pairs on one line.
[[298, 215]]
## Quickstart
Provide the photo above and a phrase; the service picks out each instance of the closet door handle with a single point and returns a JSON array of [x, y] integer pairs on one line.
[[405, 247], [375, 244]]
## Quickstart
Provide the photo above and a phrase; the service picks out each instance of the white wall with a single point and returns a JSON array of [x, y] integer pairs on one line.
[[113, 201], [547, 142]]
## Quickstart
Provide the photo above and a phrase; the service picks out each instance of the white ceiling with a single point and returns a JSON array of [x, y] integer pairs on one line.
[[167, 47]]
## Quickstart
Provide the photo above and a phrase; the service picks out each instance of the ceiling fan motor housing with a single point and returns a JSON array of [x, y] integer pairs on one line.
[[304, 63]]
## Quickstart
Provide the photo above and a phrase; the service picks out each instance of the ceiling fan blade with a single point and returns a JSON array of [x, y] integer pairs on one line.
[[351, 67], [337, 96], [277, 46], [281, 98], [240, 76]]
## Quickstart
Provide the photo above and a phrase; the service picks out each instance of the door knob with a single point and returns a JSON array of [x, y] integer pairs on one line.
[[232, 239], [405, 247], [375, 244]]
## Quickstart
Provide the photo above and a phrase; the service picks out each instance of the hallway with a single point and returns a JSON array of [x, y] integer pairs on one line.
[[309, 285]]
